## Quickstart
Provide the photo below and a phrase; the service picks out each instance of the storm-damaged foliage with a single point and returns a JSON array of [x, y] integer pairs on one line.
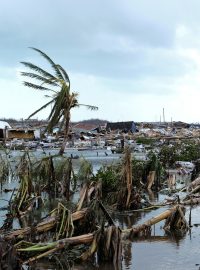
[[82, 229], [57, 85], [4, 170], [85, 172], [124, 181]]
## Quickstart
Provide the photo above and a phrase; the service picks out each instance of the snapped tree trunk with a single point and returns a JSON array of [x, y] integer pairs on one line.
[[145, 227], [66, 131], [128, 178], [66, 179], [44, 226], [151, 179]]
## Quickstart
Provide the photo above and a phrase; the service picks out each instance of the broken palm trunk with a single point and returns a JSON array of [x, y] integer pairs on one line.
[[178, 222], [89, 192], [59, 218], [191, 200], [194, 187], [66, 179], [41, 250], [150, 179], [125, 190], [194, 184], [109, 246], [106, 243], [171, 181]]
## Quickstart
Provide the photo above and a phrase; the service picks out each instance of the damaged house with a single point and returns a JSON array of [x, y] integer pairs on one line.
[[128, 126], [21, 133]]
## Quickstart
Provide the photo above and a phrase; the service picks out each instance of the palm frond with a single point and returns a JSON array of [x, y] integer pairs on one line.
[[55, 115], [54, 122], [73, 102], [36, 86], [54, 66], [41, 108], [39, 70], [39, 78], [58, 109], [65, 75], [90, 107], [58, 102], [62, 99]]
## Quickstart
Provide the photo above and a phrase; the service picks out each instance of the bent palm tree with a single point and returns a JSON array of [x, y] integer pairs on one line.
[[62, 99]]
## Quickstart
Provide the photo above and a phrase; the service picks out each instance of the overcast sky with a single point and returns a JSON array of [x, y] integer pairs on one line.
[[130, 58]]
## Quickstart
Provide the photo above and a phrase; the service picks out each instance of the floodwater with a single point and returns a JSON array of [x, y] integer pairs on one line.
[[160, 251], [157, 252]]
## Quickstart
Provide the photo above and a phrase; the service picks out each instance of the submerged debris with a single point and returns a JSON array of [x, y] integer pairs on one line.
[[85, 230], [8, 256]]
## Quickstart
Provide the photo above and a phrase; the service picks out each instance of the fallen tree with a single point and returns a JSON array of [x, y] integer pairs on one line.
[[145, 227], [45, 225], [105, 241]]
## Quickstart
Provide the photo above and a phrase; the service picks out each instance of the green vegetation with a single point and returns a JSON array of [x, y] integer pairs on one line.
[[169, 154], [109, 175], [189, 151], [144, 140]]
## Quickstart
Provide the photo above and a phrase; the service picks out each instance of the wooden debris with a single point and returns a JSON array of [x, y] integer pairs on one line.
[[145, 227], [191, 201], [194, 184], [176, 221], [150, 179], [46, 225]]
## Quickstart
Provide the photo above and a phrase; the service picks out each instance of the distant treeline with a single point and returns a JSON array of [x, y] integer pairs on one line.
[[92, 122], [37, 122]]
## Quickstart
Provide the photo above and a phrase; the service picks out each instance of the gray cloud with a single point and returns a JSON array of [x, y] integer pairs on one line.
[[130, 40]]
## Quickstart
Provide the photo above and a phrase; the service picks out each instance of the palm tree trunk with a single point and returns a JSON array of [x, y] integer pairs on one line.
[[66, 131]]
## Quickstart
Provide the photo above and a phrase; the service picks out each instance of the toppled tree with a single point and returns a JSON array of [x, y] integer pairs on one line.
[[175, 220]]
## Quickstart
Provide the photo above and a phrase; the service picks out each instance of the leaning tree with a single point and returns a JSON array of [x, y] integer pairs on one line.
[[62, 99]]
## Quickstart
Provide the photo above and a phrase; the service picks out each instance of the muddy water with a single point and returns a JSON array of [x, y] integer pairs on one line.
[[158, 252]]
